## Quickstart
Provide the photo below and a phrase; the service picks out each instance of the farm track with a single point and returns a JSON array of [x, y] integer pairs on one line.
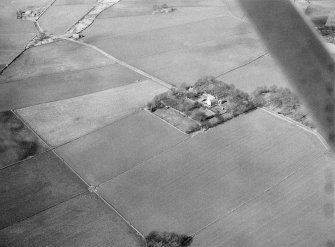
[[155, 79]]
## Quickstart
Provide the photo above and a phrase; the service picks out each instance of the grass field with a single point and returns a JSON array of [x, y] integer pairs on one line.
[[118, 147], [175, 51], [138, 24], [58, 18], [84, 221], [208, 58], [183, 46], [61, 121], [14, 33], [297, 212], [57, 86], [161, 40], [12, 44], [176, 119], [73, 2], [129, 8], [53, 58], [262, 72], [17, 141], [199, 181], [35, 185]]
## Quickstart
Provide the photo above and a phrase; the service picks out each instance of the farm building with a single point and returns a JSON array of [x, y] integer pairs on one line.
[[207, 99]]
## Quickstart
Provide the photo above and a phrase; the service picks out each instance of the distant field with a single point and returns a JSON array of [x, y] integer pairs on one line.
[[58, 18], [61, 121], [263, 72], [73, 2], [14, 33], [203, 179], [142, 44], [57, 86], [53, 58], [14, 41], [12, 44], [137, 24], [208, 58], [117, 148], [178, 48]]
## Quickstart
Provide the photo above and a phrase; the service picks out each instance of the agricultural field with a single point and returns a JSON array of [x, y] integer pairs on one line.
[[117, 148], [59, 71], [98, 167], [125, 26], [84, 220], [198, 182], [62, 121], [53, 58], [262, 72], [58, 86], [17, 141], [14, 34], [296, 212], [179, 46], [34, 185], [73, 2], [59, 18], [181, 122]]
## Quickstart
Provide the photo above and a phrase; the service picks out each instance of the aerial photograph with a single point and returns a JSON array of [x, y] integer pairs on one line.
[[167, 123]]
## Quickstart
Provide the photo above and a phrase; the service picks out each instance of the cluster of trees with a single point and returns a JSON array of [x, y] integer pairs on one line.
[[159, 7], [283, 101], [163, 8], [176, 98], [238, 102], [167, 239]]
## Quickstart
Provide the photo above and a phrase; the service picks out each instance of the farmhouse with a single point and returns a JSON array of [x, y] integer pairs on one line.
[[207, 99], [163, 9]]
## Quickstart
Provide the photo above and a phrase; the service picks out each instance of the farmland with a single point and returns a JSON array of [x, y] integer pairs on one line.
[[57, 86], [261, 72], [119, 147], [62, 121], [81, 221], [297, 212], [178, 47], [59, 18], [35, 185], [53, 58], [110, 172], [199, 181], [14, 34], [69, 70], [173, 117]]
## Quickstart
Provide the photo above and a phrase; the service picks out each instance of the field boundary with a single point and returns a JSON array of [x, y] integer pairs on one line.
[[303, 127], [122, 63], [46, 8], [120, 215], [243, 65], [164, 121]]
